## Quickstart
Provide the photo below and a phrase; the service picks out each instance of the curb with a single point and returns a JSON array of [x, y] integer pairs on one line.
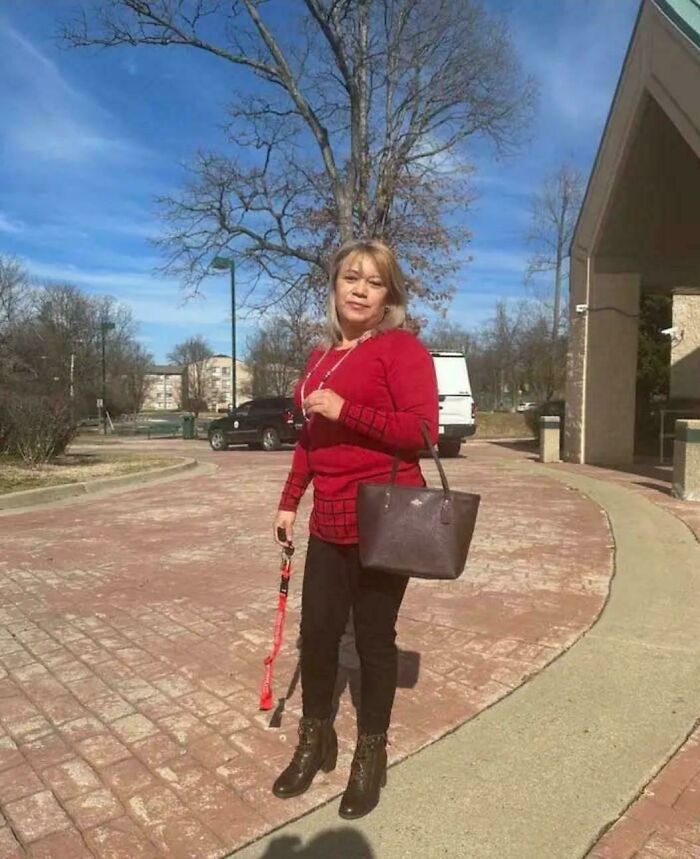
[[44, 494]]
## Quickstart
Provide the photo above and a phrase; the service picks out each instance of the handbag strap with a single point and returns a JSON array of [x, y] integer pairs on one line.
[[436, 460]]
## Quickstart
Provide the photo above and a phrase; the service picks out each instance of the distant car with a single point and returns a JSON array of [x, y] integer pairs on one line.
[[265, 422], [525, 406]]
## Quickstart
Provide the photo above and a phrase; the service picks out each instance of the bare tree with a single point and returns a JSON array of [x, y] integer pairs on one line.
[[130, 370], [272, 369], [278, 351], [193, 355], [50, 362], [502, 339], [554, 210], [15, 297], [14, 291], [541, 364], [511, 354], [58, 346], [359, 126], [447, 335]]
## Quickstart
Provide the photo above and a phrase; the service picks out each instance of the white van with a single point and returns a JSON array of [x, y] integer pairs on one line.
[[457, 407]]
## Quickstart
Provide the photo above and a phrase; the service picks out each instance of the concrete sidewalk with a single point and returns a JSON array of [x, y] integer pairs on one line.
[[133, 627], [542, 773]]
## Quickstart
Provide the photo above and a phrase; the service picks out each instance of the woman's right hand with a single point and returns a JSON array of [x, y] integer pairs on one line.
[[284, 520]]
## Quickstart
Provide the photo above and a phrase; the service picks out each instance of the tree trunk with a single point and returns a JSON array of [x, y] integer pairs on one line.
[[362, 151], [551, 384]]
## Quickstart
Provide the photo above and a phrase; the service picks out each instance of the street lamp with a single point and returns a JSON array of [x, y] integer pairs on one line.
[[105, 326], [223, 263], [72, 378]]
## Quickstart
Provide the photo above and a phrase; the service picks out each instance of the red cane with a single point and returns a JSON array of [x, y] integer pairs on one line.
[[285, 572]]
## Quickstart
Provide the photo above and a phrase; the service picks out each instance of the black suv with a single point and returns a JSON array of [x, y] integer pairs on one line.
[[267, 423]]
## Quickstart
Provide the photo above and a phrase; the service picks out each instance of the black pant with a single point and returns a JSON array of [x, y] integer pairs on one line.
[[334, 582]]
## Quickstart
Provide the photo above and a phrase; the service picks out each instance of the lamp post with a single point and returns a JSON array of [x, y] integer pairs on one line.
[[223, 263], [72, 378], [105, 326]]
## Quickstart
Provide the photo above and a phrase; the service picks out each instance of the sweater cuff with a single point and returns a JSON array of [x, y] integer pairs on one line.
[[363, 419], [293, 491]]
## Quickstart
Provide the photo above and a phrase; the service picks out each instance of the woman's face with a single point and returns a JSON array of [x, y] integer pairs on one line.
[[360, 295]]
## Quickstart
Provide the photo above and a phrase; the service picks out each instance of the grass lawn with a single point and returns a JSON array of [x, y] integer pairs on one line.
[[502, 425], [73, 468], [92, 437]]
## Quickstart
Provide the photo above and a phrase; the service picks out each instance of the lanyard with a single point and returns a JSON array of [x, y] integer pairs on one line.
[[285, 572], [335, 366]]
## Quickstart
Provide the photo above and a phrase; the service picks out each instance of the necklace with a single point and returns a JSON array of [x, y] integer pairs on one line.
[[328, 372]]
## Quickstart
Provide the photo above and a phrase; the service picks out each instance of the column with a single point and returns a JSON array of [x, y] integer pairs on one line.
[[611, 369], [686, 461], [576, 362], [685, 347]]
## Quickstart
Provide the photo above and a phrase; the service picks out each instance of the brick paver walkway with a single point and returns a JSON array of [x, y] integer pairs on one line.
[[664, 821], [133, 627]]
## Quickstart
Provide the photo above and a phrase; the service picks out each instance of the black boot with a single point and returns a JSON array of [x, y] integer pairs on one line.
[[367, 776], [317, 750]]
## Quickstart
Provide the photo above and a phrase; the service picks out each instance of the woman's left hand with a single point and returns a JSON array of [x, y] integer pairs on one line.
[[325, 402]]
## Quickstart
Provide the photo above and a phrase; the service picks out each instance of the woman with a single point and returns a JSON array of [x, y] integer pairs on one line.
[[365, 398]]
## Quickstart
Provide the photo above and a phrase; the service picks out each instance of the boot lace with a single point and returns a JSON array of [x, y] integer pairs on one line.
[[364, 753], [306, 735]]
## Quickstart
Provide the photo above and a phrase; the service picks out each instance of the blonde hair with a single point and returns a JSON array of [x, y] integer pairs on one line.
[[390, 273]]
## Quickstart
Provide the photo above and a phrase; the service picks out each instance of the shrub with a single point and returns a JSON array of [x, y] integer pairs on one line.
[[34, 428], [4, 428]]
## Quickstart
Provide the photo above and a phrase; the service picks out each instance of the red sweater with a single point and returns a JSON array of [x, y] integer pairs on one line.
[[389, 387]]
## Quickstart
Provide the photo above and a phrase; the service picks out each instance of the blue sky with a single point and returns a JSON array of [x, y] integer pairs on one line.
[[89, 139]]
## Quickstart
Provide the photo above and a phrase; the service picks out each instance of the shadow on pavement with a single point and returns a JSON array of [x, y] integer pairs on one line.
[[664, 490], [349, 676], [517, 444], [345, 843], [349, 670]]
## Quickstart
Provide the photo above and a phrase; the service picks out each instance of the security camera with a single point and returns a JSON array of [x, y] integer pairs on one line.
[[670, 332]]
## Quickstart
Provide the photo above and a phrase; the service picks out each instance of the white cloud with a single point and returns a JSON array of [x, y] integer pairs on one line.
[[9, 225], [45, 117], [134, 224], [152, 299], [140, 226], [130, 66], [577, 69], [503, 182], [495, 261]]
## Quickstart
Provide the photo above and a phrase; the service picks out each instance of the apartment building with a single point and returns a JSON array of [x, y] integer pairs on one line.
[[168, 382], [219, 390], [164, 389]]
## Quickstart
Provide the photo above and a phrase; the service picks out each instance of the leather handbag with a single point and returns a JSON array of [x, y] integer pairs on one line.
[[415, 530]]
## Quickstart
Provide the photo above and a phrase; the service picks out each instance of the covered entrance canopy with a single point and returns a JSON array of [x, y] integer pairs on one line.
[[638, 231]]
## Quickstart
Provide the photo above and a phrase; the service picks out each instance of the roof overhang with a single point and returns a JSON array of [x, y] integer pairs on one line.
[[662, 65]]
